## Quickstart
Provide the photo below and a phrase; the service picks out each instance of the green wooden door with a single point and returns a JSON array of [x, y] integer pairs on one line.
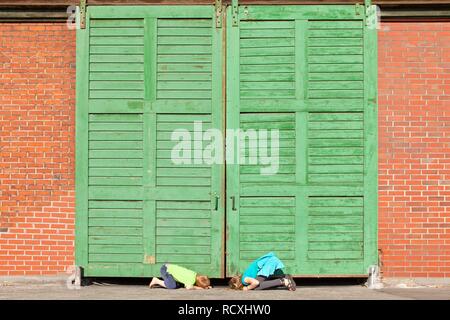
[[309, 72], [143, 72]]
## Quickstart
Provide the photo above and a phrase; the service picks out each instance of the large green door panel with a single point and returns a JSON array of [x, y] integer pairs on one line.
[[142, 73], [307, 71]]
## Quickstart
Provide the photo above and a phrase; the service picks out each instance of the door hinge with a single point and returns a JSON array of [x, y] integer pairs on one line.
[[358, 9], [83, 4], [235, 12], [219, 13], [372, 17]]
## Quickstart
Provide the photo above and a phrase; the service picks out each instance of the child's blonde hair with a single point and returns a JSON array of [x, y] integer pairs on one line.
[[236, 283], [202, 281]]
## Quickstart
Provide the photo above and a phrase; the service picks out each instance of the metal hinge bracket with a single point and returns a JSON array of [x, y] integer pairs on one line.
[[83, 14], [219, 13], [358, 8], [235, 12], [372, 17]]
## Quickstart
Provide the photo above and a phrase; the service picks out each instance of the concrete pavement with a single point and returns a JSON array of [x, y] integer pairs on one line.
[[41, 288]]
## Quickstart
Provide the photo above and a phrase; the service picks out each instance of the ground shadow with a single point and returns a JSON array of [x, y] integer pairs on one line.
[[224, 282]]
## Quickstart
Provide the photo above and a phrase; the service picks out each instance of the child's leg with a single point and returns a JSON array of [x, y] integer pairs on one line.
[[289, 282], [264, 283], [155, 281], [169, 281]]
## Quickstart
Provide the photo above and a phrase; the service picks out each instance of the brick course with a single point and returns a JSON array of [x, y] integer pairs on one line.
[[37, 121], [414, 149]]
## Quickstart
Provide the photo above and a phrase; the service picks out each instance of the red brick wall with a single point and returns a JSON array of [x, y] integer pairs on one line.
[[414, 149], [37, 93], [37, 117]]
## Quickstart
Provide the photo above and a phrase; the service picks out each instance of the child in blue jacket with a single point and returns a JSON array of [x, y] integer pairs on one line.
[[263, 273]]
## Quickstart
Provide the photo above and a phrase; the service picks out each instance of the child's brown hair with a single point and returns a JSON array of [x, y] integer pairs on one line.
[[236, 283], [202, 281]]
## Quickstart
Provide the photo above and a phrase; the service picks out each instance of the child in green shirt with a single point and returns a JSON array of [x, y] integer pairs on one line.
[[175, 277]]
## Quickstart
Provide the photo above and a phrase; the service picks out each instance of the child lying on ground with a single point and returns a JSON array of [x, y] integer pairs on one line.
[[263, 273], [175, 277]]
